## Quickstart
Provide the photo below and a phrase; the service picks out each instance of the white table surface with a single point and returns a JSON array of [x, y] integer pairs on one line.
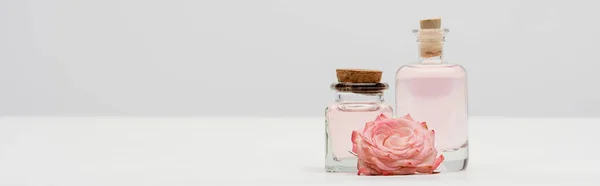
[[171, 151]]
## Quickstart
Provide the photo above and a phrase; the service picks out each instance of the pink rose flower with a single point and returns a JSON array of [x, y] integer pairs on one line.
[[400, 146]]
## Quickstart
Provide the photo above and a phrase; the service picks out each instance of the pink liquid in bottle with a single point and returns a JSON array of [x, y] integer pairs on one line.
[[437, 94]]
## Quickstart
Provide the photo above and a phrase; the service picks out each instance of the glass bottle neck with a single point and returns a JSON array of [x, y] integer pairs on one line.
[[350, 97], [431, 52], [431, 44]]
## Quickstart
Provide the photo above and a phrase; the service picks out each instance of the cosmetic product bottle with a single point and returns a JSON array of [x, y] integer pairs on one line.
[[435, 91], [358, 100]]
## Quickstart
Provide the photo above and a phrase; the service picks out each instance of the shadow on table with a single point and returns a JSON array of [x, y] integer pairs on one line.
[[431, 177]]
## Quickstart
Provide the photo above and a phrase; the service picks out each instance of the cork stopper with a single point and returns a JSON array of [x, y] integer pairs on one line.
[[435, 23], [358, 76]]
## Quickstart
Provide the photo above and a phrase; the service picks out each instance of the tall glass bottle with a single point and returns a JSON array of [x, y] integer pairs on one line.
[[358, 100], [435, 91]]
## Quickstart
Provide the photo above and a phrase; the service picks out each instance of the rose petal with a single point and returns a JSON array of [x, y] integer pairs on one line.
[[368, 141], [378, 152], [404, 132], [427, 149], [404, 171], [394, 141], [430, 137], [363, 168], [382, 129], [372, 170], [427, 152], [430, 168], [438, 161], [427, 159], [416, 141], [368, 127], [399, 140], [355, 136], [396, 126], [381, 165], [362, 153], [359, 147], [367, 151], [403, 163], [408, 117], [379, 139], [401, 123], [381, 117], [403, 154]]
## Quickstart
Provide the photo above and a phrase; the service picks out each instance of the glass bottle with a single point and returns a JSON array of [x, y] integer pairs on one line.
[[355, 105], [435, 91]]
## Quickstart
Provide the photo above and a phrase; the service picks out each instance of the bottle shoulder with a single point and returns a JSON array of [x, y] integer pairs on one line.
[[359, 106], [335, 104], [431, 70]]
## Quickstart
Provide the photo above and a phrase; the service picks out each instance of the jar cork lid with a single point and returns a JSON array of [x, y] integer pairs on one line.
[[359, 81], [358, 75]]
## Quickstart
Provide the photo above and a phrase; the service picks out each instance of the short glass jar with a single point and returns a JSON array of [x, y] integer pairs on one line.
[[355, 105]]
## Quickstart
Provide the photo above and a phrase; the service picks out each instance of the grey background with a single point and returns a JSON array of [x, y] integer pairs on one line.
[[277, 58]]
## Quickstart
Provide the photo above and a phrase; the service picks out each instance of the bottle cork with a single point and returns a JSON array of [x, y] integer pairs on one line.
[[435, 23], [358, 75]]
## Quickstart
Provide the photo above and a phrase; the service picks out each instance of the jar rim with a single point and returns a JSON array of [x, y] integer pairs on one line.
[[360, 87]]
